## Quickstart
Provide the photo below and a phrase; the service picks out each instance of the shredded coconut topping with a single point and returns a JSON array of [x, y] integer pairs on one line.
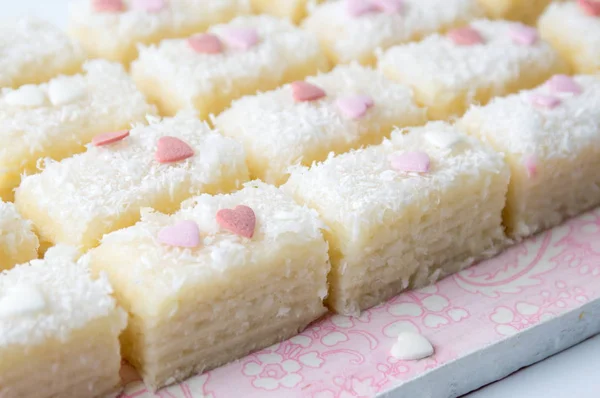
[[190, 74], [440, 62], [14, 230], [356, 38], [518, 127], [274, 126], [72, 299], [30, 44], [357, 190], [104, 182]]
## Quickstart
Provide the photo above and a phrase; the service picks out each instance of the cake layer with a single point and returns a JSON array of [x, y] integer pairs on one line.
[[516, 10], [78, 200], [33, 51], [575, 33], [352, 30], [226, 275], [59, 329], [422, 205], [472, 65], [359, 107], [56, 119], [294, 10], [18, 243], [550, 137], [207, 72], [114, 29]]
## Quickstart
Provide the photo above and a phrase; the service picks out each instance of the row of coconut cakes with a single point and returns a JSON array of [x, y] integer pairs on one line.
[[206, 275]]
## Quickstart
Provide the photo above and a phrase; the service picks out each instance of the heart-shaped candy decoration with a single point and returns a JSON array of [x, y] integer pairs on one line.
[[543, 101], [108, 5], [415, 162], [523, 34], [109, 138], [590, 7], [388, 6], [354, 107], [171, 149], [563, 84], [356, 8], [205, 44], [240, 38], [182, 234], [303, 91], [241, 220], [148, 5], [531, 165], [466, 36]]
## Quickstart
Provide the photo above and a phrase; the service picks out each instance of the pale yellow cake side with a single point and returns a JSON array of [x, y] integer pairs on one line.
[[526, 11], [294, 10]]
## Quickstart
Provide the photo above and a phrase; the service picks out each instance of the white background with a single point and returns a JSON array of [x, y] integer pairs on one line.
[[574, 373]]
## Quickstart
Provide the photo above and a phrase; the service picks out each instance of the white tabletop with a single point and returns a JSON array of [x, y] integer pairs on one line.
[[573, 373]]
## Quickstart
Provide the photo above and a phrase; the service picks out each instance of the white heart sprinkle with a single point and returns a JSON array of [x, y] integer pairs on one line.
[[443, 140], [411, 347], [29, 95], [65, 91], [21, 300]]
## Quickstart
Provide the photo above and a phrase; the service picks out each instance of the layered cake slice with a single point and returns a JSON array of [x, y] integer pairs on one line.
[[18, 243], [517, 10], [224, 276], [208, 71], [471, 65], [59, 332], [81, 198], [112, 29], [58, 118], [33, 51], [353, 30], [574, 29], [304, 121], [425, 204], [550, 137]]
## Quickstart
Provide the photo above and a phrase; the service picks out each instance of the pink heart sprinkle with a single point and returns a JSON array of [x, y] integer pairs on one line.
[[182, 234], [303, 91], [240, 38], [523, 34], [563, 84], [354, 107], [416, 162], [171, 149], [530, 163], [205, 44], [108, 5], [241, 220], [148, 5], [109, 138], [389, 6], [544, 101], [465, 36], [356, 8], [590, 7]]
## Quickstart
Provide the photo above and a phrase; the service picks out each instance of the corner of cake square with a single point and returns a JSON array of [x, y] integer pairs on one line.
[[550, 137], [207, 71], [472, 64], [224, 276], [18, 242], [59, 332], [112, 29], [303, 122], [573, 28], [78, 200], [57, 119], [418, 207], [34, 51], [355, 30]]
